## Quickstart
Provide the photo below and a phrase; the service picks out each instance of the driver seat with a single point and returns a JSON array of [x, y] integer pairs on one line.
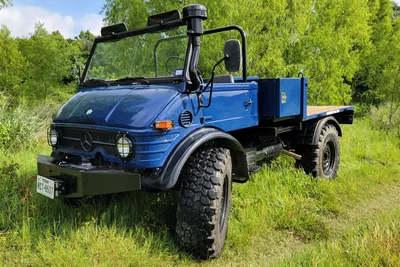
[[228, 78]]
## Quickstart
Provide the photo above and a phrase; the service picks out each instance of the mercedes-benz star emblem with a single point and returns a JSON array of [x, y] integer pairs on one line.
[[86, 141]]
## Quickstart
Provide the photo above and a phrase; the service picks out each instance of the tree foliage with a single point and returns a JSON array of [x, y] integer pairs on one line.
[[4, 3], [338, 43], [349, 49], [12, 63], [45, 64], [396, 10], [135, 56], [42, 74]]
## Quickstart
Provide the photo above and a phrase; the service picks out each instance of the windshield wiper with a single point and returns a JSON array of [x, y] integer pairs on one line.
[[133, 79], [94, 82]]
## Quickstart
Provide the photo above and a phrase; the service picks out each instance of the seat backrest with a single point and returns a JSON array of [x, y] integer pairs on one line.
[[228, 78]]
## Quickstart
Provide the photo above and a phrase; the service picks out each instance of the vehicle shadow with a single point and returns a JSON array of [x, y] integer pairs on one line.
[[154, 213], [132, 208]]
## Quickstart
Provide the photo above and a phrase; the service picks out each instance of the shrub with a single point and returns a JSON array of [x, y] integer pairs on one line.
[[385, 118]]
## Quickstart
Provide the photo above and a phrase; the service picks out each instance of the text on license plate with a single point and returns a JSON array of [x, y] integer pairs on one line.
[[45, 186]]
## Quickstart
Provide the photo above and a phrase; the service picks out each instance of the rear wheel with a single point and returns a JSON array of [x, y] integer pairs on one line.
[[323, 159], [204, 202]]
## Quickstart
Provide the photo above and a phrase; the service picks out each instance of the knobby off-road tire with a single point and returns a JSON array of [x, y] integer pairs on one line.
[[205, 202], [323, 159]]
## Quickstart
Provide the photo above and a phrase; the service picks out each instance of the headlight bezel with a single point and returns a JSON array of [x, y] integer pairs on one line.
[[52, 132], [129, 143]]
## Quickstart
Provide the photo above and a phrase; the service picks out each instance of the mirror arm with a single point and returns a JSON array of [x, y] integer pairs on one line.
[[211, 81]]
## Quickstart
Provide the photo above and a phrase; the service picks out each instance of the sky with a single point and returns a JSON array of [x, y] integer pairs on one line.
[[69, 17]]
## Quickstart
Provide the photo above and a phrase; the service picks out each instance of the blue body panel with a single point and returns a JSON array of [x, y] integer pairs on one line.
[[280, 97], [134, 106], [133, 109], [304, 98], [234, 106]]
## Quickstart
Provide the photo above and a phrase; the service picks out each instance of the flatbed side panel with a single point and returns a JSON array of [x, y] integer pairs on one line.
[[314, 112]]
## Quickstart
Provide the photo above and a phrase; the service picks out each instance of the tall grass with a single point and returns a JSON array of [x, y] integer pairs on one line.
[[375, 242], [22, 126], [281, 216]]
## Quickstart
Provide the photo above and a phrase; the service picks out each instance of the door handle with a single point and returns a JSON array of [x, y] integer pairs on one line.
[[248, 103]]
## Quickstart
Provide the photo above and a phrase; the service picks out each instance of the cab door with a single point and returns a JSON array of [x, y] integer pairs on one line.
[[233, 106]]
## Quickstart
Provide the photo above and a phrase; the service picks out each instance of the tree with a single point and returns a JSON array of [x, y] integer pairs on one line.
[[49, 59], [12, 63], [4, 3], [325, 38], [85, 40], [369, 79], [337, 34], [389, 90], [396, 10], [83, 43], [133, 12]]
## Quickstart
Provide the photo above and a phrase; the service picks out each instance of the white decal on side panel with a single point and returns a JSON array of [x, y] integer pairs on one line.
[[332, 112]]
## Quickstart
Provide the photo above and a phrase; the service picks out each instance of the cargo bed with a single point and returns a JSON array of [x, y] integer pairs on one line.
[[322, 111]]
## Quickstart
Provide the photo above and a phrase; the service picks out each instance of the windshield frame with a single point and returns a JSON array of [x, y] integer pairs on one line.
[[117, 36], [165, 27]]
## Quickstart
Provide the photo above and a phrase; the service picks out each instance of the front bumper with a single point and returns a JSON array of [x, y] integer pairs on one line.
[[82, 181]]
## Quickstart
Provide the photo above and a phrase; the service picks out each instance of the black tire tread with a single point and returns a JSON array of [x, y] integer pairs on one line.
[[310, 156], [197, 213]]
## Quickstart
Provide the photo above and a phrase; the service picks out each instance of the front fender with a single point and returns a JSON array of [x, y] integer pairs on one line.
[[169, 174]]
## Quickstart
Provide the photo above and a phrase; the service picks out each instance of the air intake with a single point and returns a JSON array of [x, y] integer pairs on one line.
[[186, 119]]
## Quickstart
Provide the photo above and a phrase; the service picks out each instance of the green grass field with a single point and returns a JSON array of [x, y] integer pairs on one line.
[[281, 217]]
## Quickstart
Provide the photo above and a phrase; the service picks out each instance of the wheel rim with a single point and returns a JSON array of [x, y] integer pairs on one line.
[[224, 203], [328, 159]]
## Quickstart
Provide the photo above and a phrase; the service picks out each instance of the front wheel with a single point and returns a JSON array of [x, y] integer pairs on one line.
[[323, 159], [204, 202]]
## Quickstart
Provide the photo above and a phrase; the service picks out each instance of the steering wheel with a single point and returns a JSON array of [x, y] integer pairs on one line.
[[167, 61]]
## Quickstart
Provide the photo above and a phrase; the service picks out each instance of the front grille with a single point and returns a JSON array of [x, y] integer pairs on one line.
[[71, 138]]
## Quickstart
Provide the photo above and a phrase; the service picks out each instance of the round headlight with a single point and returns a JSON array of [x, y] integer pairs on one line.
[[124, 147], [52, 137]]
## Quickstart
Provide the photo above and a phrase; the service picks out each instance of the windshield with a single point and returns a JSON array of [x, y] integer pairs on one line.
[[134, 57]]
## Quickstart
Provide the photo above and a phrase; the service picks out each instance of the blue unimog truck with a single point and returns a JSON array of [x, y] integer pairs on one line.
[[145, 118]]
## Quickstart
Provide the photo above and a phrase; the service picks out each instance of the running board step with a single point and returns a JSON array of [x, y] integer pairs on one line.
[[254, 168]]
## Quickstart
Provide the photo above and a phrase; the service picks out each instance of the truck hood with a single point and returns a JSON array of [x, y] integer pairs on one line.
[[134, 106]]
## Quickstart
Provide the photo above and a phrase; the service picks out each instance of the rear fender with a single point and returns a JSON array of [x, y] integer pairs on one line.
[[313, 130], [169, 175], [321, 123]]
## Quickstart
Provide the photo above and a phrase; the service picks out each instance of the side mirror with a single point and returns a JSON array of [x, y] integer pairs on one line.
[[233, 52]]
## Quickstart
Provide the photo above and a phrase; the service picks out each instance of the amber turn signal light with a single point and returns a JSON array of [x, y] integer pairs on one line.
[[164, 125]]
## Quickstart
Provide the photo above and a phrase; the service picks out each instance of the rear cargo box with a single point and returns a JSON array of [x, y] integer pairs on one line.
[[279, 98]]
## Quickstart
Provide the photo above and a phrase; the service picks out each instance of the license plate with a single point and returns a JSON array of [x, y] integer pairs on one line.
[[45, 186]]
